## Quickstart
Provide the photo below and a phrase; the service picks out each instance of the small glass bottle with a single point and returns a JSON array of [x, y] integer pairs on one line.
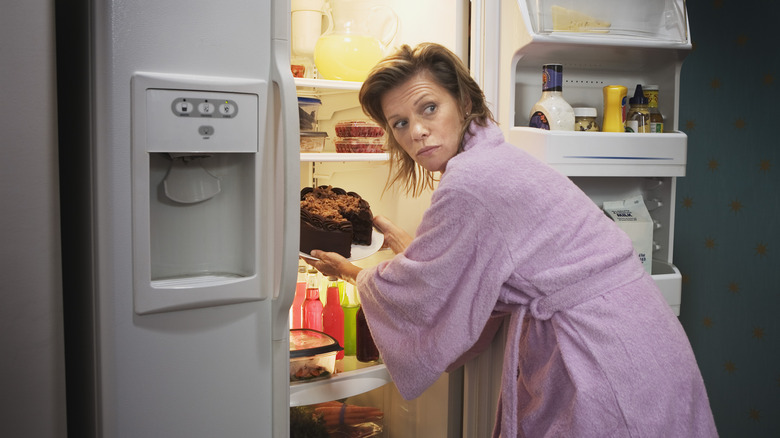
[[366, 348], [656, 117], [333, 315], [614, 108], [638, 117], [312, 306], [585, 119], [552, 112]]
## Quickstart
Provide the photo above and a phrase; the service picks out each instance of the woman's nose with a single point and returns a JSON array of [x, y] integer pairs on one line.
[[419, 130]]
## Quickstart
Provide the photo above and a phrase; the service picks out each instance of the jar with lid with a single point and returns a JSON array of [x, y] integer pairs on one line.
[[656, 118], [638, 117], [585, 119]]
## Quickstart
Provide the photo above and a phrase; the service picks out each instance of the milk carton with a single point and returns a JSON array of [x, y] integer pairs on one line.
[[631, 216]]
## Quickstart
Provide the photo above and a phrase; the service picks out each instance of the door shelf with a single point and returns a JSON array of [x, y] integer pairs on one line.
[[356, 379], [668, 278], [577, 153]]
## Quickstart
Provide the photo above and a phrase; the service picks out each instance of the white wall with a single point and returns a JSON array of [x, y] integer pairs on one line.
[[32, 394]]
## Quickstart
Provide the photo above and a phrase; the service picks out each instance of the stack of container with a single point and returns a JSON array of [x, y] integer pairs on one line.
[[359, 136]]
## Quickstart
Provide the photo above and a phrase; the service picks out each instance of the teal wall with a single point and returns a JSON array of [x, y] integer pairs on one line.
[[727, 227]]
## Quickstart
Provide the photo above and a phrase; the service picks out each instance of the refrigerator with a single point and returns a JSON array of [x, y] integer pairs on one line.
[[161, 306]]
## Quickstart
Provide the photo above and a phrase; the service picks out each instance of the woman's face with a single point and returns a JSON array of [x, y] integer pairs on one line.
[[425, 120]]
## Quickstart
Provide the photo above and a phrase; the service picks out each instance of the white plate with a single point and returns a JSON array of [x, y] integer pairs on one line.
[[359, 251]]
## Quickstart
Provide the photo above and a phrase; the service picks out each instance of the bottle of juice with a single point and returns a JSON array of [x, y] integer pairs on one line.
[[366, 348], [552, 112], [312, 306], [333, 315], [350, 306], [296, 310]]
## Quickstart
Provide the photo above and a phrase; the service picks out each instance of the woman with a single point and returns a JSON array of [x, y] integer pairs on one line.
[[593, 349]]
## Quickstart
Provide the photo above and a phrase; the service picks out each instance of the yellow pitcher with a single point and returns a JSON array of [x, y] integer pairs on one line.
[[359, 38]]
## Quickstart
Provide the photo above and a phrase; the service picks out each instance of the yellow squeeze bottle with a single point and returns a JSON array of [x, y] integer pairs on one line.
[[614, 108]]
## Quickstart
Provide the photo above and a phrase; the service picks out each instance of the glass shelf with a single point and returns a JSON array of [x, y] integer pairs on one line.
[[321, 157], [353, 378]]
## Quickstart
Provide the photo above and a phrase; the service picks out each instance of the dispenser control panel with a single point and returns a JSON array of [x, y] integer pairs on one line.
[[194, 107], [188, 121]]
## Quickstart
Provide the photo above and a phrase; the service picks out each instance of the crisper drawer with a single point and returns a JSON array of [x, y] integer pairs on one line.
[[576, 153], [352, 379]]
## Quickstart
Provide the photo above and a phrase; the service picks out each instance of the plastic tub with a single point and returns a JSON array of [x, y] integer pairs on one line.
[[313, 141], [307, 113], [360, 144], [312, 355], [358, 128]]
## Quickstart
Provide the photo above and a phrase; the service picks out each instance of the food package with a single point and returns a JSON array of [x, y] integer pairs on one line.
[[358, 128], [631, 216], [312, 355]]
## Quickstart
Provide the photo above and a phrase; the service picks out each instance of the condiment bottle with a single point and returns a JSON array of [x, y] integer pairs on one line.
[[614, 108], [656, 118], [638, 117], [350, 306], [312, 306], [552, 112], [296, 310], [585, 119], [366, 348], [333, 316]]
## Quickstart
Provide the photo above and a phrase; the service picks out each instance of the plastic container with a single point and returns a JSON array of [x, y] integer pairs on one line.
[[358, 128], [360, 144], [313, 141], [312, 355], [307, 113]]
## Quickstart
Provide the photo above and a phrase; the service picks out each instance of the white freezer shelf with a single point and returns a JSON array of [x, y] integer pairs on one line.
[[342, 385], [576, 153]]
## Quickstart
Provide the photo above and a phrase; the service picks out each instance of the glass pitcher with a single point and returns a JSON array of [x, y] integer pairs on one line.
[[361, 33]]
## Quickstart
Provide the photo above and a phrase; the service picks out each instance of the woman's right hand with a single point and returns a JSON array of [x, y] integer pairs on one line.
[[395, 238]]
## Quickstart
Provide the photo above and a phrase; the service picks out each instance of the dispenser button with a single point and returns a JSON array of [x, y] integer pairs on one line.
[[206, 130], [183, 107], [206, 108], [227, 109]]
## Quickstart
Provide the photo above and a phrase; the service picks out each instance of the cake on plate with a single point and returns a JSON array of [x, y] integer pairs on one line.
[[333, 219]]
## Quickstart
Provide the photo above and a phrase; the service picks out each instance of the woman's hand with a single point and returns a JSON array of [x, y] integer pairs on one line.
[[395, 238], [333, 264]]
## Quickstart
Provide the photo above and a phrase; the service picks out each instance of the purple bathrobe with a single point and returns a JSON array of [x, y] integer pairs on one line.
[[593, 349]]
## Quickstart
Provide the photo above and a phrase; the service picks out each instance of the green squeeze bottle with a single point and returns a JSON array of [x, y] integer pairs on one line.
[[350, 306]]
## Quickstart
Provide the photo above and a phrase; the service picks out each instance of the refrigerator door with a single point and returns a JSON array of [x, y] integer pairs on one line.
[[195, 359]]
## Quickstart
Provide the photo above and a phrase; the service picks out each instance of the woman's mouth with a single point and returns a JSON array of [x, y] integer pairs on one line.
[[426, 150]]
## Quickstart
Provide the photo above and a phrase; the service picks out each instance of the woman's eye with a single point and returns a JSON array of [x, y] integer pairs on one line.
[[430, 108], [399, 124]]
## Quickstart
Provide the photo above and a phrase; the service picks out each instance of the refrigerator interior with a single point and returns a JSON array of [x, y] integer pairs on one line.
[[438, 412]]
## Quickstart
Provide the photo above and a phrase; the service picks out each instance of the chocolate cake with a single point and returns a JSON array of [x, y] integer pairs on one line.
[[333, 219]]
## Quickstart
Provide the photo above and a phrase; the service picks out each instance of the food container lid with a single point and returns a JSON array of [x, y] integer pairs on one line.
[[309, 101], [314, 134], [581, 111], [346, 123], [307, 342], [361, 140]]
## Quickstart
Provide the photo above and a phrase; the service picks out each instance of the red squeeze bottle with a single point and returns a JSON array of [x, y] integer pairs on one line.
[[333, 315], [296, 310], [312, 306], [366, 349]]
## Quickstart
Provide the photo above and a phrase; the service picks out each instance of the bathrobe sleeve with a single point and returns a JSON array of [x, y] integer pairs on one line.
[[427, 306]]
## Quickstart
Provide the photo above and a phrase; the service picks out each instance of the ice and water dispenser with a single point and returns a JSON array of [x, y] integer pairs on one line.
[[196, 176]]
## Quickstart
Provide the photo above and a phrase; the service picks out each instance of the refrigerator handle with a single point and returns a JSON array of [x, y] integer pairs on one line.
[[286, 266]]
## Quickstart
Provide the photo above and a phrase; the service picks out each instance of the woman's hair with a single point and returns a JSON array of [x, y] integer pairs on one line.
[[449, 72]]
